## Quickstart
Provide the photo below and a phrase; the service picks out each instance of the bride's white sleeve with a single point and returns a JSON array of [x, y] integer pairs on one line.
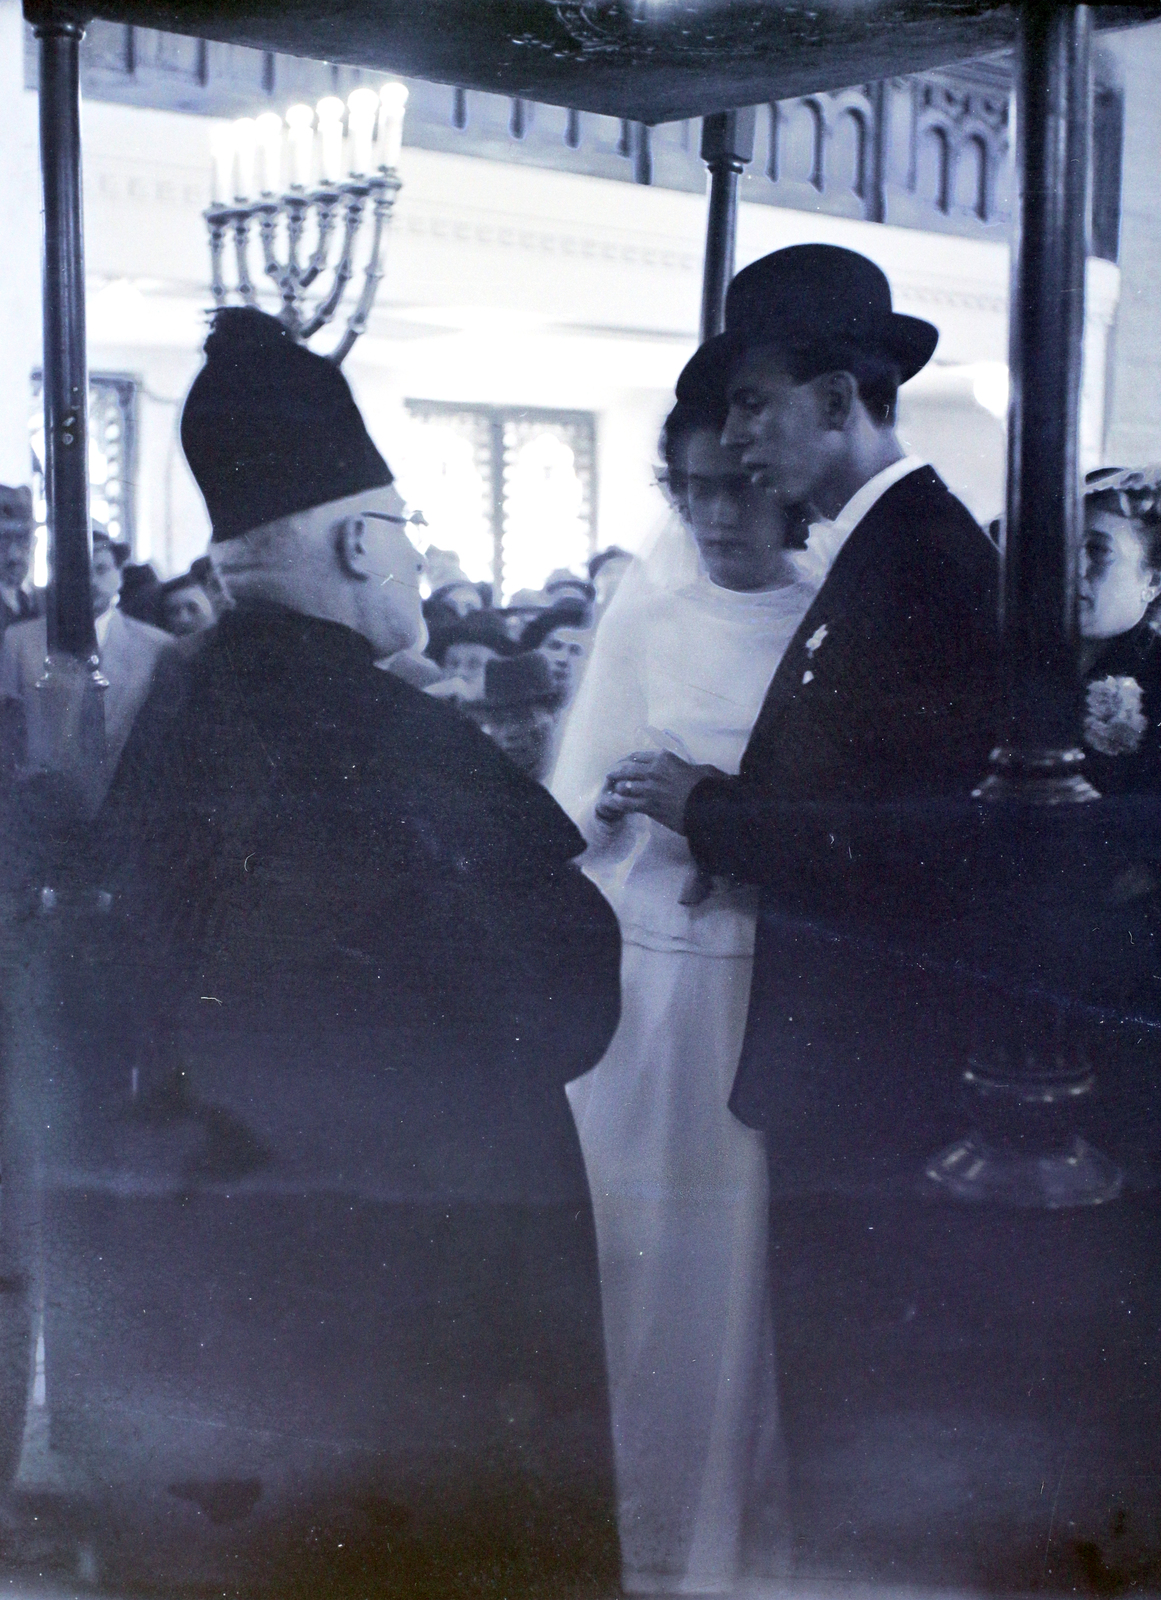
[[607, 717]]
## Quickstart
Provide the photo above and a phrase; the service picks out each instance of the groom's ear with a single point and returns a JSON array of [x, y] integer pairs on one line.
[[837, 393]]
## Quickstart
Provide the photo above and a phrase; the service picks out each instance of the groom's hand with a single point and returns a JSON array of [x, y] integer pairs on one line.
[[654, 783]]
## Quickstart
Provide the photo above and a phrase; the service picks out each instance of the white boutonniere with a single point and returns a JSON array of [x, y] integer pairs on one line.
[[1114, 723], [811, 646]]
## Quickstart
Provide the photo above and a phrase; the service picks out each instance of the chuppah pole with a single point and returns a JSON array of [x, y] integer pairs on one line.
[[70, 611], [1037, 757], [727, 144], [67, 736], [1028, 1058]]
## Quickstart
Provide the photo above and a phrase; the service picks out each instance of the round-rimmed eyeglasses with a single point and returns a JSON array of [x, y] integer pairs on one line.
[[416, 518]]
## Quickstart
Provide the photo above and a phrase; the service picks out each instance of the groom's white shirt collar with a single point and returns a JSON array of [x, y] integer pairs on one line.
[[827, 538]]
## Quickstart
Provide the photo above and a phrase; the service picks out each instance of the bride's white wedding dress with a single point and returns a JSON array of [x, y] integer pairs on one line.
[[679, 1185]]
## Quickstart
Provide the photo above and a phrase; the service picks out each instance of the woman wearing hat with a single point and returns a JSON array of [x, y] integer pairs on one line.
[[679, 1186]]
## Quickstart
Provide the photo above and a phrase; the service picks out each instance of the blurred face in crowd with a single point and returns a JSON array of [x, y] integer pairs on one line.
[[1116, 585], [467, 662], [570, 591], [465, 597], [738, 527], [609, 575], [187, 610], [524, 733], [565, 649], [106, 580], [15, 554]]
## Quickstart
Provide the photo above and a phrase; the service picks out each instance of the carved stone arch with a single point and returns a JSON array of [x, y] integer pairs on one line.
[[934, 163], [979, 151], [848, 152], [802, 142], [773, 146], [818, 166]]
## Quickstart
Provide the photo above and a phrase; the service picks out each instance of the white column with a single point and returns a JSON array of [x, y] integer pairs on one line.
[[1134, 437], [1101, 297], [20, 208]]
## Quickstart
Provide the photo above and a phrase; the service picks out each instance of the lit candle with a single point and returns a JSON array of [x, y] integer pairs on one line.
[[269, 130], [222, 157], [244, 144], [300, 121], [362, 107], [330, 126], [392, 102]]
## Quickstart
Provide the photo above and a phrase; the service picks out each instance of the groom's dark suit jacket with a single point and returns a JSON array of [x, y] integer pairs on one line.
[[888, 692]]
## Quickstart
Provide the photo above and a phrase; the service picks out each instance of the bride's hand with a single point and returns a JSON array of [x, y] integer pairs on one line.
[[654, 783]]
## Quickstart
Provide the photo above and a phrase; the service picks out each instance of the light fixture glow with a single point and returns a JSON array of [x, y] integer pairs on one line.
[[990, 387]]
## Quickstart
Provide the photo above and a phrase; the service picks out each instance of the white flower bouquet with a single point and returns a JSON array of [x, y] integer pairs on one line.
[[1114, 722]]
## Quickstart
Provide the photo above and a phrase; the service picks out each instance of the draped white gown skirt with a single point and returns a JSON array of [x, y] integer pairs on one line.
[[679, 1187]]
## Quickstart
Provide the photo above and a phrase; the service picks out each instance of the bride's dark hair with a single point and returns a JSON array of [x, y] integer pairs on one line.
[[693, 416]]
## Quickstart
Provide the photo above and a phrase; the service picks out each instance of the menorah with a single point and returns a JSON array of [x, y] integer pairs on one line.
[[338, 162]]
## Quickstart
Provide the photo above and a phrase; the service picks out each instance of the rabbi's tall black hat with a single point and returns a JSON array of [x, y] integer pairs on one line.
[[813, 296], [270, 428]]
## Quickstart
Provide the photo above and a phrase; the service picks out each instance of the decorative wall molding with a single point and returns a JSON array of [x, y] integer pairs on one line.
[[929, 151], [499, 231]]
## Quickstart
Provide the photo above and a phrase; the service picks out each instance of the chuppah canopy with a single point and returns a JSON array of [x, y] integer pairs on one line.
[[647, 60]]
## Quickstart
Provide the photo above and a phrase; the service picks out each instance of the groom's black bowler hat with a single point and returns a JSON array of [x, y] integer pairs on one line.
[[813, 296]]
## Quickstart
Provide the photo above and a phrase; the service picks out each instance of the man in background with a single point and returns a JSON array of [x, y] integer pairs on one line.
[[18, 601], [128, 652], [518, 710], [566, 649]]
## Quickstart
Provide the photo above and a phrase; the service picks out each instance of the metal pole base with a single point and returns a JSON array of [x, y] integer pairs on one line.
[[975, 1170], [1025, 1149], [1039, 777]]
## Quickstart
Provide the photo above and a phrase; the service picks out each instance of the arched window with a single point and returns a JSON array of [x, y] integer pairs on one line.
[[448, 474], [512, 491], [801, 143], [546, 521], [971, 177], [846, 161], [933, 174], [774, 147]]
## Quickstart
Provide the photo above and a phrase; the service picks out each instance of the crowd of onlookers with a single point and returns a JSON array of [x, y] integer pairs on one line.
[[512, 668]]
